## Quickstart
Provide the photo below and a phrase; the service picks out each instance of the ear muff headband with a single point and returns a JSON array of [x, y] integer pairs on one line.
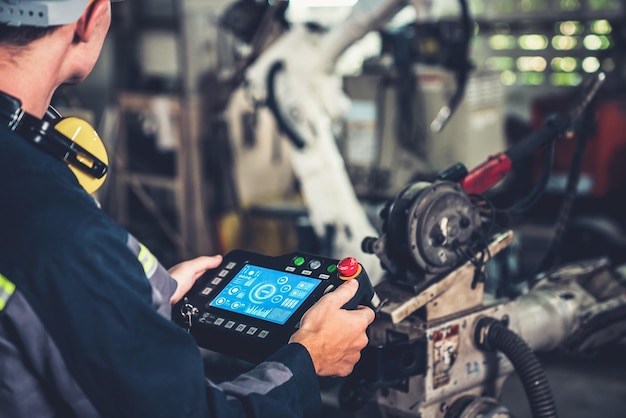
[[72, 140]]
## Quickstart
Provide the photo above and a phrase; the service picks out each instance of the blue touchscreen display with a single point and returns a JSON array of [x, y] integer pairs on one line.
[[266, 294]]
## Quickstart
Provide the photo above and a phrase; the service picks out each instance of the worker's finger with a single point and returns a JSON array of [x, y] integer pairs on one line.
[[196, 266], [368, 313], [343, 293]]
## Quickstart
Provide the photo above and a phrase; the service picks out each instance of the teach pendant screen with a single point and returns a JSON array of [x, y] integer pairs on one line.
[[263, 293]]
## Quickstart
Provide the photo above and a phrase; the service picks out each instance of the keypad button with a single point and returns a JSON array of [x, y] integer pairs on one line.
[[315, 264]]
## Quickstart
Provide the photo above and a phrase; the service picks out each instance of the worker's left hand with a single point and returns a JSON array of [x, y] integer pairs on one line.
[[187, 272]]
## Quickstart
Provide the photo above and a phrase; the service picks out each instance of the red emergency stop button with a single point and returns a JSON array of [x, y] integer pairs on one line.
[[348, 267]]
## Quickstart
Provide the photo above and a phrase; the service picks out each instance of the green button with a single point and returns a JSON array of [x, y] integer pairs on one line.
[[332, 268], [298, 261]]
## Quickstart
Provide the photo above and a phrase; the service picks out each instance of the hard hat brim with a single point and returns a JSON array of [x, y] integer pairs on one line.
[[41, 13]]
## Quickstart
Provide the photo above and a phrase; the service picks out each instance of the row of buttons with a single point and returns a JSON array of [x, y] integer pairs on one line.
[[314, 264], [292, 269], [218, 279], [209, 319], [298, 261]]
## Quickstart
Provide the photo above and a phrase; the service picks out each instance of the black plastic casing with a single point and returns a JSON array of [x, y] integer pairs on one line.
[[247, 337]]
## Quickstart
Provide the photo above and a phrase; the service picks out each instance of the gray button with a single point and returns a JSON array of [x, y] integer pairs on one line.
[[324, 276], [230, 265], [315, 264], [263, 334], [229, 324], [290, 268], [252, 330], [206, 291], [240, 327], [219, 321], [223, 273], [217, 280]]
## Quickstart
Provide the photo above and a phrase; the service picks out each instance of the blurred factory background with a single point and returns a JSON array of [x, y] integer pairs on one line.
[[201, 165]]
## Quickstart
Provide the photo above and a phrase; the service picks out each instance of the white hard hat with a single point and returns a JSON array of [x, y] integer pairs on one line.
[[41, 13]]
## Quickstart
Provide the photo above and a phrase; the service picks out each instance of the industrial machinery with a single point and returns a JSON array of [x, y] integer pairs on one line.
[[441, 347]]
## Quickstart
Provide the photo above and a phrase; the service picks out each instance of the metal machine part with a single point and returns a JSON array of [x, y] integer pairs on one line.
[[426, 360], [453, 345], [599, 320], [477, 407], [453, 366], [429, 230]]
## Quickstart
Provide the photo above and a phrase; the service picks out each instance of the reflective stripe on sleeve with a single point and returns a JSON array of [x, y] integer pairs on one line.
[[7, 288], [147, 260]]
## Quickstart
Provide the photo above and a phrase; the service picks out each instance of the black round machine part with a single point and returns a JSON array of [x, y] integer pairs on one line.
[[431, 226]]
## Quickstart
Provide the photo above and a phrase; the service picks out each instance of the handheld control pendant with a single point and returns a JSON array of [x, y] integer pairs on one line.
[[250, 305]]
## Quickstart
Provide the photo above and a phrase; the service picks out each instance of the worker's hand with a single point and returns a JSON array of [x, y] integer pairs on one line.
[[334, 336], [187, 272]]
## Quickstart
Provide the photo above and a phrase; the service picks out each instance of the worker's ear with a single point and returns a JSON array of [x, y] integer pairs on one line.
[[88, 21]]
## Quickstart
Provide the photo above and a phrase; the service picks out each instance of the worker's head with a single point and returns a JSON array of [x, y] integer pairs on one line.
[[43, 44], [81, 24]]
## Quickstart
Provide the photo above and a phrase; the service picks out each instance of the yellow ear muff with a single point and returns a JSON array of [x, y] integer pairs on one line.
[[83, 134]]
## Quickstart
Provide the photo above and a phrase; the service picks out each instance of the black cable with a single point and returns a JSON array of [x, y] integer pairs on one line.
[[459, 62], [533, 197], [272, 104], [407, 126], [464, 67], [491, 335], [381, 115], [571, 188]]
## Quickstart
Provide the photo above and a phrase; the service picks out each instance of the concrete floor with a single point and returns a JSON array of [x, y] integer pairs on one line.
[[582, 388]]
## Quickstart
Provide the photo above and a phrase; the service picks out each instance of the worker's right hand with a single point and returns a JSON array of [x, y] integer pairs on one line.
[[334, 336]]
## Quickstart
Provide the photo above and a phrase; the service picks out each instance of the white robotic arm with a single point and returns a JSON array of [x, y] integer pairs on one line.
[[295, 77]]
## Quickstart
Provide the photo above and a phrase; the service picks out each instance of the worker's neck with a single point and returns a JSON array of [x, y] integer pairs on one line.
[[34, 100], [31, 75]]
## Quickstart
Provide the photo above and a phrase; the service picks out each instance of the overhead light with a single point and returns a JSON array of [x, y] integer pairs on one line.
[[323, 3]]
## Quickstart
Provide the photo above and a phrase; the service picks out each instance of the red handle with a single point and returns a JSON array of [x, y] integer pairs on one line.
[[487, 175]]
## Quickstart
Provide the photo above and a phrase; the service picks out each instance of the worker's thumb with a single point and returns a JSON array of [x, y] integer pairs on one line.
[[344, 293]]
